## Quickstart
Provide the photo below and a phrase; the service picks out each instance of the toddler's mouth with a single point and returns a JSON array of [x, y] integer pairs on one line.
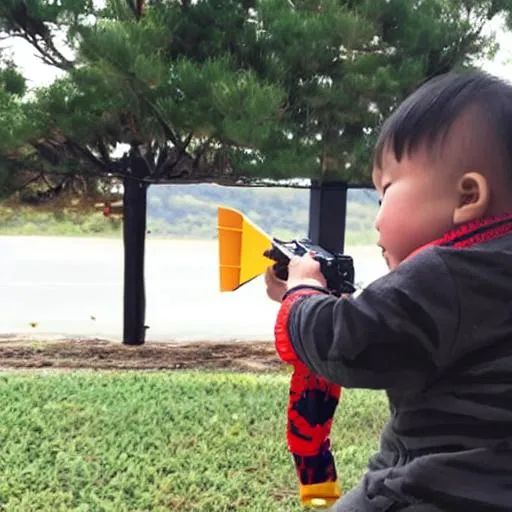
[[385, 255]]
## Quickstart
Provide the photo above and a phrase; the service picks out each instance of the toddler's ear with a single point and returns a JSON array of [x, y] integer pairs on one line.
[[474, 197]]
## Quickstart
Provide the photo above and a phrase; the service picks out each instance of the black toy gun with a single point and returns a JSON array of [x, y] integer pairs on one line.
[[338, 269], [246, 251]]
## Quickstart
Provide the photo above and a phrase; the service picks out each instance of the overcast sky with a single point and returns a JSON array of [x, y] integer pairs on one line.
[[39, 74]]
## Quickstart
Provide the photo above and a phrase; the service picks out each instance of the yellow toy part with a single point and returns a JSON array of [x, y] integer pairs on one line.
[[241, 248], [319, 495]]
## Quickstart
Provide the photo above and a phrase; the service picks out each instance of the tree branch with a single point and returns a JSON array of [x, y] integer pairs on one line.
[[84, 151], [150, 156], [133, 8], [187, 140], [168, 131], [102, 148], [28, 182], [34, 39]]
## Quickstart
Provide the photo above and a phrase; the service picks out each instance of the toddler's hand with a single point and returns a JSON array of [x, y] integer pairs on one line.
[[304, 270], [276, 287]]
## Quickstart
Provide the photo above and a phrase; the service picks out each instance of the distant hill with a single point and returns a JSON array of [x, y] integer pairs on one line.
[[190, 210]]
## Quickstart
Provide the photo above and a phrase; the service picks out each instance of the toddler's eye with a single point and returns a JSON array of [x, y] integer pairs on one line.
[[384, 192]]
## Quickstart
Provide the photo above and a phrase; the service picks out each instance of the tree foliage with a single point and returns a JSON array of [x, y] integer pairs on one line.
[[226, 91], [12, 116]]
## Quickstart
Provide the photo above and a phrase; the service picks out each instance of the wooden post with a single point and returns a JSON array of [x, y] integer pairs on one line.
[[134, 236], [327, 214]]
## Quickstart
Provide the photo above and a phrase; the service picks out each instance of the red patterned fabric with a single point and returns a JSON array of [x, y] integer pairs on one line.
[[283, 344], [474, 232], [311, 407], [309, 426]]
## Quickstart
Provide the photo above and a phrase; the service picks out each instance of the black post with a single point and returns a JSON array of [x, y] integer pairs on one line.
[[328, 214], [134, 235]]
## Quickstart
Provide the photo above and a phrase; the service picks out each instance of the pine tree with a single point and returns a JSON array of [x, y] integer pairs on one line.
[[235, 91], [228, 91]]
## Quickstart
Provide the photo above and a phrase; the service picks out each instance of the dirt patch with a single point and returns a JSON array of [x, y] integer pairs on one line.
[[100, 354]]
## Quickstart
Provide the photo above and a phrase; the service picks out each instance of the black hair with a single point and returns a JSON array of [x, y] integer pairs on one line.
[[426, 116]]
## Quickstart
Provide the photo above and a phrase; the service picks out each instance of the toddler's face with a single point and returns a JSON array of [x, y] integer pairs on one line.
[[417, 204]]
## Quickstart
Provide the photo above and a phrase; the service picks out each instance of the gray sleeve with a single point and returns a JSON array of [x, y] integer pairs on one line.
[[395, 334]]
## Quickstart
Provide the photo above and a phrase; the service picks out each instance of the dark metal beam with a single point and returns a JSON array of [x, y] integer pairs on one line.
[[327, 214], [134, 235]]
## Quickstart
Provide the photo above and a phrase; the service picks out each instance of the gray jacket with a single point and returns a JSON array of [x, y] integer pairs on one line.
[[436, 334]]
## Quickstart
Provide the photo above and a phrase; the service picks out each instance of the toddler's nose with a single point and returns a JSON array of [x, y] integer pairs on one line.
[[376, 222]]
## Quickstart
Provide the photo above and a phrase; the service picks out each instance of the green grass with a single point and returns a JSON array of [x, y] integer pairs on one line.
[[92, 441]]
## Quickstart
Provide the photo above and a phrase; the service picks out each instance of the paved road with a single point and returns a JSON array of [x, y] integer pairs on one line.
[[73, 287]]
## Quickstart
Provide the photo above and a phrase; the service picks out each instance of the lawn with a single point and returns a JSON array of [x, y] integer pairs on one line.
[[135, 441]]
